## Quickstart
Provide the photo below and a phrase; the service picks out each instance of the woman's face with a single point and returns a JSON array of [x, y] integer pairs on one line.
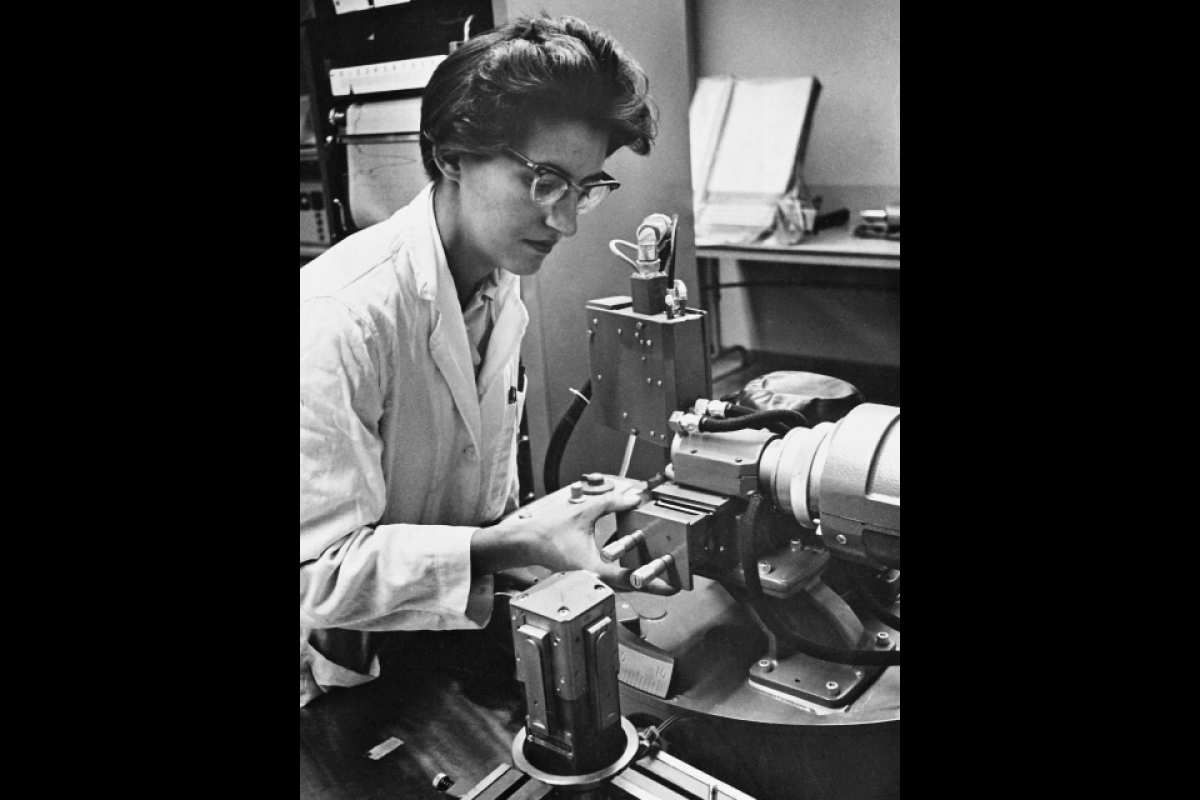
[[500, 223]]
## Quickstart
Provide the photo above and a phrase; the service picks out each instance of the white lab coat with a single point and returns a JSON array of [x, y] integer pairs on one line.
[[402, 454]]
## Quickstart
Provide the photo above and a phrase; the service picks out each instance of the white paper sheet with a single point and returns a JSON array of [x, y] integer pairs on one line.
[[383, 179]]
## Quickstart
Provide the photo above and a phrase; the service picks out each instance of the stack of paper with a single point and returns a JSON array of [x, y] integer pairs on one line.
[[748, 144]]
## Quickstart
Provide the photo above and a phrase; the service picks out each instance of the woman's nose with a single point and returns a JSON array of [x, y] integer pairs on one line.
[[564, 216]]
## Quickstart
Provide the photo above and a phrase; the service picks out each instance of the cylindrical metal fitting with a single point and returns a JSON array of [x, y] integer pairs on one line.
[[617, 550], [655, 568]]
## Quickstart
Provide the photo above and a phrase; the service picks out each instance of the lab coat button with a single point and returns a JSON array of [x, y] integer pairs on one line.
[[470, 453]]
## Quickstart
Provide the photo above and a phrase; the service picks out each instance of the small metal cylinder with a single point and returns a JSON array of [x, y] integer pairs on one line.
[[617, 550], [655, 568]]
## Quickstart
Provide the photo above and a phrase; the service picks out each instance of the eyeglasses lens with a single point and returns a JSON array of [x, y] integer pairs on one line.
[[549, 189], [592, 198]]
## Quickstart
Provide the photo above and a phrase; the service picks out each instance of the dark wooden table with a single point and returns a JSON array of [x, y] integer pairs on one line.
[[454, 702], [448, 697]]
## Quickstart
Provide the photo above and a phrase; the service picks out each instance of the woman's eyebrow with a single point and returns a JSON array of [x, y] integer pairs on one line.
[[595, 176]]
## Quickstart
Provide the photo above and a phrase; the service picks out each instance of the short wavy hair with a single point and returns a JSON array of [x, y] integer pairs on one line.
[[486, 94]]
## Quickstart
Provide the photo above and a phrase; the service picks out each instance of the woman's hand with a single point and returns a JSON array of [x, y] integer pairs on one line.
[[561, 540]]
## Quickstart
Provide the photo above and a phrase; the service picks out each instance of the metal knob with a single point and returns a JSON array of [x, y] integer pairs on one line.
[[617, 550], [651, 571]]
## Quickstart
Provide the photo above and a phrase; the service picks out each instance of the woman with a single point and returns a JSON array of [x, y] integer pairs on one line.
[[410, 335]]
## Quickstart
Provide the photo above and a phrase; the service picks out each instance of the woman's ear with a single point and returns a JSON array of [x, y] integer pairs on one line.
[[449, 164]]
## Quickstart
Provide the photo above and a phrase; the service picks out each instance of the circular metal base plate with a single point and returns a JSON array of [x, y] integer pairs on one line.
[[579, 782]]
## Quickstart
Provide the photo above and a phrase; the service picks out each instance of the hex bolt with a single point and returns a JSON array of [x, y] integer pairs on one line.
[[833, 688], [764, 568]]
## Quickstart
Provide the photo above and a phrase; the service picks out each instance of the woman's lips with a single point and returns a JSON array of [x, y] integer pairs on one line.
[[541, 247]]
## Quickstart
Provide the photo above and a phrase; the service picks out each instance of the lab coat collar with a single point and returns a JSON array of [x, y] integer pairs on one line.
[[448, 343], [429, 257], [435, 284]]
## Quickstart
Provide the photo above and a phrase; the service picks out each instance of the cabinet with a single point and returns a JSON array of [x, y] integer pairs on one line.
[[373, 40]]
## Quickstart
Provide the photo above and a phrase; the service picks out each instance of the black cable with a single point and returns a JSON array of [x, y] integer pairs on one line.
[[674, 250], [748, 529], [757, 420], [885, 616], [562, 437]]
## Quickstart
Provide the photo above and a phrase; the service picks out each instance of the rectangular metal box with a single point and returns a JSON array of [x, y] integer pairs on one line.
[[645, 368]]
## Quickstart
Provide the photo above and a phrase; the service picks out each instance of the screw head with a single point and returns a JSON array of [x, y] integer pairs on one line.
[[842, 539], [883, 639], [833, 688], [764, 568], [564, 611], [766, 666]]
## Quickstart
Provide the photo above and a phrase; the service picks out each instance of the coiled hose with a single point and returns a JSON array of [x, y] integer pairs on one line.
[[748, 528], [779, 420]]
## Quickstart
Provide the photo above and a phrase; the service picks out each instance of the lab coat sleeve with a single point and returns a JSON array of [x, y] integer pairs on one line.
[[354, 573]]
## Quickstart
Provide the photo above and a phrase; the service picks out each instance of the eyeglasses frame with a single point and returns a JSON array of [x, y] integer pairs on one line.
[[542, 169]]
